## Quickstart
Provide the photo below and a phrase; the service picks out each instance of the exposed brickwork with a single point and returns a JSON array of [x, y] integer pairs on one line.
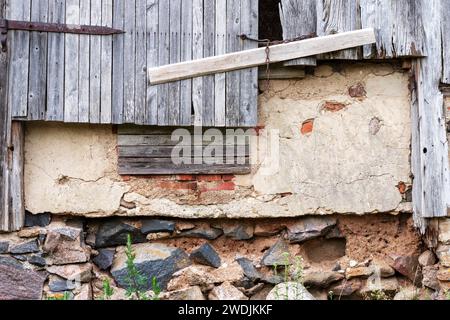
[[307, 127], [332, 106]]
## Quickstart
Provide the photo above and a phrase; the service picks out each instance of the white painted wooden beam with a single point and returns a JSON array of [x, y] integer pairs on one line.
[[256, 57]]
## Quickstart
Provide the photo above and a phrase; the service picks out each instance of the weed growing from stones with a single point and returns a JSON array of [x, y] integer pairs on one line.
[[293, 272], [108, 291]]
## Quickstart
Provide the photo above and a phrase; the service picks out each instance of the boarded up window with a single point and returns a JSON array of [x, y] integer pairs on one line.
[[103, 79], [153, 150]]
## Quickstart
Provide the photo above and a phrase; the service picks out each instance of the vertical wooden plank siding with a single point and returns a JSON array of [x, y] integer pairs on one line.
[[118, 63], [233, 79], [186, 55], [84, 70], [55, 63], [106, 64], [334, 16], [16, 177], [71, 63], [209, 41], [151, 108], [174, 57], [4, 128], [163, 57], [95, 64], [141, 62], [130, 61], [445, 31], [220, 79], [197, 53], [298, 18], [38, 63], [249, 78], [19, 42]]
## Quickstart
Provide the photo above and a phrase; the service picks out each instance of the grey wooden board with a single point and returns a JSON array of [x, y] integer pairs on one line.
[[95, 64], [174, 102], [106, 62], [298, 18], [129, 62], [127, 169], [141, 62], [83, 72], [186, 55], [118, 63], [4, 120], [163, 59], [151, 114], [197, 53], [446, 41]]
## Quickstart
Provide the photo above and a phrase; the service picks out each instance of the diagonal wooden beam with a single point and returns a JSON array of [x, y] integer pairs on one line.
[[256, 57]]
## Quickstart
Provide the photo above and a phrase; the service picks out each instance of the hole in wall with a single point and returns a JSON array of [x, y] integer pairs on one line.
[[269, 20]]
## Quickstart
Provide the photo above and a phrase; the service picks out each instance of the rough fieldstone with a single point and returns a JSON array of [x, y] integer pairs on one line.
[[358, 272], [310, 228], [408, 266], [430, 279], [25, 247], [63, 246], [409, 293], [249, 269], [237, 231], [84, 293], [321, 279], [444, 274], [37, 260], [207, 256], [78, 272], [33, 232], [346, 288], [189, 294], [4, 247], [157, 226], [427, 259], [443, 253], [203, 233], [115, 233], [58, 284], [388, 286], [18, 283], [104, 259], [383, 269], [152, 260], [262, 294], [190, 277], [290, 291], [276, 255], [37, 220], [226, 292], [21, 258]]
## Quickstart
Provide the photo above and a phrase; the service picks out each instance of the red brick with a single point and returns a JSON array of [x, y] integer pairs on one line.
[[218, 186], [174, 185], [126, 178], [229, 177], [307, 127], [211, 177], [402, 187], [186, 177], [331, 106]]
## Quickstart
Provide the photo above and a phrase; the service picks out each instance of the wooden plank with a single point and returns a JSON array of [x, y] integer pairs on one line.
[[106, 63], [37, 86], [16, 177], [257, 57], [141, 61], [148, 151], [209, 41], [298, 18], [71, 63], [163, 59], [130, 62], [248, 106], [220, 79], [197, 53], [151, 109], [4, 129], [281, 72], [446, 41], [166, 140], [186, 55], [84, 73], [95, 64], [174, 102], [163, 169], [19, 42], [118, 63], [337, 16], [55, 63], [233, 79]]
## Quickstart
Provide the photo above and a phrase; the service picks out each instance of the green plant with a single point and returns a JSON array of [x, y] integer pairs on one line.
[[292, 272], [108, 291], [136, 282], [156, 289], [377, 295], [447, 294], [60, 297]]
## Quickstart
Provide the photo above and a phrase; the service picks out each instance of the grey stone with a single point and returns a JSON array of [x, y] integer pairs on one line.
[[408, 266], [206, 255], [322, 279], [25, 247], [290, 291], [115, 233], [276, 255], [188, 294], [157, 226], [18, 283], [249, 269], [104, 259], [58, 284], [273, 280], [4, 246], [237, 231], [61, 250], [37, 260], [346, 288], [152, 260], [37, 220], [77, 272], [203, 233], [226, 292], [430, 279], [310, 228], [427, 259], [19, 257]]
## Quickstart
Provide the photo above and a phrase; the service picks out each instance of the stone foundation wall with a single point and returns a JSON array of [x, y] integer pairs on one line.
[[343, 257]]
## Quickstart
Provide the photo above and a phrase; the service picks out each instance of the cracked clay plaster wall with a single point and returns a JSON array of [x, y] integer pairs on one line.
[[344, 148]]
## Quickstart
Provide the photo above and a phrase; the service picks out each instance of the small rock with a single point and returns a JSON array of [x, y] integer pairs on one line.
[[157, 226], [84, 294], [444, 274], [190, 277], [262, 294], [253, 290], [79, 272], [310, 228], [319, 294], [358, 272], [4, 247], [207, 256], [58, 284], [357, 91], [37, 260], [430, 279], [269, 229], [237, 231], [115, 233], [321, 279], [290, 291], [443, 253], [346, 288], [444, 231], [353, 263], [25, 247], [31, 232], [406, 294], [273, 279], [375, 284], [226, 292], [276, 255], [51, 241], [232, 273], [159, 236], [427, 259], [184, 226], [188, 294], [202, 233], [62, 249], [408, 266], [37, 220], [383, 269], [104, 259], [249, 269], [152, 260], [21, 258]]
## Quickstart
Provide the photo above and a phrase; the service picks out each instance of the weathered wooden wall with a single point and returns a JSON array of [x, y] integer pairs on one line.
[[103, 79]]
